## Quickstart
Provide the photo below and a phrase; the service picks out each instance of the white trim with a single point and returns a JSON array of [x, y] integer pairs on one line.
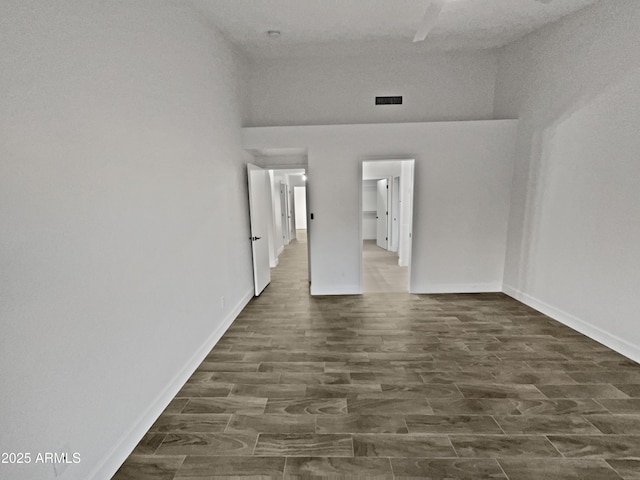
[[407, 260], [614, 342], [280, 250], [458, 288], [110, 463], [337, 290]]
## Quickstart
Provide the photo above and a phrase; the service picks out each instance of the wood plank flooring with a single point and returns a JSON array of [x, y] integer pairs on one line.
[[396, 386]]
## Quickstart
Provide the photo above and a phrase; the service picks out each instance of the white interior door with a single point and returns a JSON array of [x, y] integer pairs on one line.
[[292, 217], [259, 211], [382, 214], [284, 214], [394, 219]]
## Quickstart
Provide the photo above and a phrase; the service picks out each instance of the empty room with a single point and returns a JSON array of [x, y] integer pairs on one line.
[[194, 284]]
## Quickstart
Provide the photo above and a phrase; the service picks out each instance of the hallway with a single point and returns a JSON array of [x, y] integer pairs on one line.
[[396, 386]]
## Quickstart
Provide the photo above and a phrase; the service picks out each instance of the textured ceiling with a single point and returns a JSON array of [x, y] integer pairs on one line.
[[343, 27]]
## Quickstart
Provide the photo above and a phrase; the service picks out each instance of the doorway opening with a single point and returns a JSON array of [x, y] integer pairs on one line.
[[288, 226], [289, 209], [278, 217], [387, 224]]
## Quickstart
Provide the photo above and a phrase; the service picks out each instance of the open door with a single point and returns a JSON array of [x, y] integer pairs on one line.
[[290, 212], [259, 204], [283, 213], [394, 219], [382, 214]]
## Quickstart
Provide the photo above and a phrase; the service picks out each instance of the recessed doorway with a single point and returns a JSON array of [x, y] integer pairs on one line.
[[387, 222]]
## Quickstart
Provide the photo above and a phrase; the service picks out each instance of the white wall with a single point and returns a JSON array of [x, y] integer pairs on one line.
[[123, 213], [274, 228], [574, 237], [300, 203], [369, 206], [462, 181], [378, 169], [316, 91]]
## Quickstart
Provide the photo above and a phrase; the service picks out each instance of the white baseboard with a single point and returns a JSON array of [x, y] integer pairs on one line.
[[614, 342], [280, 250], [337, 290], [425, 289], [110, 463], [457, 288]]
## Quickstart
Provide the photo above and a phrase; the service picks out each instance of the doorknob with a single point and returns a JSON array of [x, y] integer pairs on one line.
[[253, 239]]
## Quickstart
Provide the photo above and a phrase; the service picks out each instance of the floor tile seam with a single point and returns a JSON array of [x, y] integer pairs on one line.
[[537, 390], [503, 435], [255, 445], [458, 389], [605, 460], [393, 474], [155, 451], [184, 457], [188, 402], [493, 417], [452, 446], [601, 405], [501, 468], [228, 423], [353, 447], [607, 435], [554, 446], [586, 418]]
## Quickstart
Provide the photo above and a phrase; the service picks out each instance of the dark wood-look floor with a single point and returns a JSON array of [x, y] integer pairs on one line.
[[396, 386]]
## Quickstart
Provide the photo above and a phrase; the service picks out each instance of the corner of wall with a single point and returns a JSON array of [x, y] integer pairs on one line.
[[123, 448], [614, 342]]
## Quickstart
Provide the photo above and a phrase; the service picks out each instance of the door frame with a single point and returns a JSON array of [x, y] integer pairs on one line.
[[413, 162], [305, 169]]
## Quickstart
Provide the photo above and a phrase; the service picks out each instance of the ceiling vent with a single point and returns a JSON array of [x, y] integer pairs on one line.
[[388, 100]]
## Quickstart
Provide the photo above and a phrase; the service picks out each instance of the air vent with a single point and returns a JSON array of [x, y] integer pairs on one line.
[[388, 100]]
